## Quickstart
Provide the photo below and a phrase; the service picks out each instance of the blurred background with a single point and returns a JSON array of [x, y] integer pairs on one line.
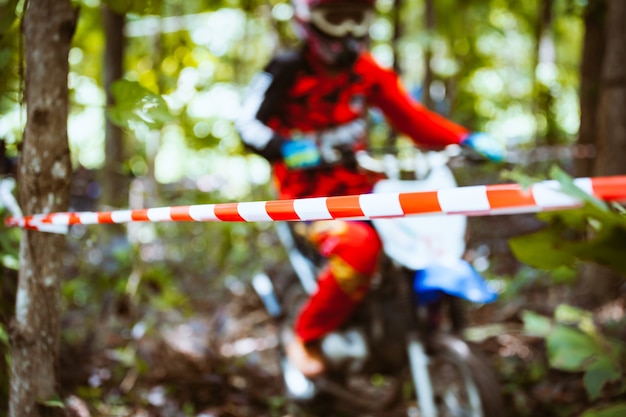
[[161, 315]]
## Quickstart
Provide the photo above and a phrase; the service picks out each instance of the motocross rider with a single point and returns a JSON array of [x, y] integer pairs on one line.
[[305, 113]]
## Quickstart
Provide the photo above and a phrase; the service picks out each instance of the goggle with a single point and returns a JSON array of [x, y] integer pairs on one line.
[[343, 19]]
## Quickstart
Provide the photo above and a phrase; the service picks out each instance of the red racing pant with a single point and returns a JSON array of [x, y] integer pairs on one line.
[[352, 249]]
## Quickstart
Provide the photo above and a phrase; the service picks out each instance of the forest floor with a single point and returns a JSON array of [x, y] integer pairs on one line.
[[220, 357], [223, 361]]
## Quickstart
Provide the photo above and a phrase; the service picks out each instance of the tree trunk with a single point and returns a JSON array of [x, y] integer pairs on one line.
[[590, 76], [599, 284], [429, 23], [43, 176], [112, 178], [544, 59], [392, 136], [114, 182], [612, 111]]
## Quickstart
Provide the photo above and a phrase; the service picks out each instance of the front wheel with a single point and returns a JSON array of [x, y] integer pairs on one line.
[[463, 382]]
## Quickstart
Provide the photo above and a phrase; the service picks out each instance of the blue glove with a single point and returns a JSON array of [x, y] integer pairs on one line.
[[486, 145], [300, 154]]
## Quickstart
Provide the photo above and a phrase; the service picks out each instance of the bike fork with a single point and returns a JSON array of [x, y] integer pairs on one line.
[[418, 360]]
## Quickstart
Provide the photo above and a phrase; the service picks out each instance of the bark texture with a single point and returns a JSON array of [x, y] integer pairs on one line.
[[115, 182], [599, 284], [590, 79], [44, 173], [612, 109]]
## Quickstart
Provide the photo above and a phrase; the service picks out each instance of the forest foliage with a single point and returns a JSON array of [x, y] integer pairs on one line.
[[496, 65]]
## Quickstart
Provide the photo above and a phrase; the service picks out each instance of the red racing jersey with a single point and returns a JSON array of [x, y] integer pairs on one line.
[[295, 97]]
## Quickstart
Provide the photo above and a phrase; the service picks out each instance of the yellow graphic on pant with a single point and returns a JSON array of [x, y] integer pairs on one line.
[[352, 283]]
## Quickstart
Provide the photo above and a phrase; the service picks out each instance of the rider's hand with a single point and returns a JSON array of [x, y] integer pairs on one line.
[[486, 145], [301, 153]]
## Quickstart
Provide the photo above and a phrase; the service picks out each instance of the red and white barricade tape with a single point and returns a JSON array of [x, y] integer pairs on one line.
[[470, 201]]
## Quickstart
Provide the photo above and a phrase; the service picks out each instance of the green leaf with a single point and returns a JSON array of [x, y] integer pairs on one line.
[[135, 104], [536, 324], [521, 177], [125, 355], [592, 233], [617, 410], [599, 372], [10, 261], [567, 314], [543, 249], [607, 248], [619, 208], [570, 350], [567, 239], [564, 275], [4, 337], [568, 187], [55, 401], [7, 15]]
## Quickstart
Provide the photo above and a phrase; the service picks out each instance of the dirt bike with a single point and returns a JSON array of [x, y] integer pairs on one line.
[[402, 352]]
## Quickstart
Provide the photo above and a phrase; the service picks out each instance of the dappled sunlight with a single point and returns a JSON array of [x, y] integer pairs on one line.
[[612, 312], [85, 131], [159, 316], [512, 345], [248, 345], [219, 101]]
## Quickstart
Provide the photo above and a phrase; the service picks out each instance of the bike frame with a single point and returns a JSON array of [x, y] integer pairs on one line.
[[430, 246]]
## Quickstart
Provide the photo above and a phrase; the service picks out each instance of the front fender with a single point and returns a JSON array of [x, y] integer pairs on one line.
[[459, 280]]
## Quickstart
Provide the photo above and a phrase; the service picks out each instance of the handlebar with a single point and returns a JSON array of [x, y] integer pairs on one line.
[[393, 163]]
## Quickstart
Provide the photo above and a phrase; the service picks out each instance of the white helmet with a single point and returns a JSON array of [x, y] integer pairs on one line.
[[336, 31]]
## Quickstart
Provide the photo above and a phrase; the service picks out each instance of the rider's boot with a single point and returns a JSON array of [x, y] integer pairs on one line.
[[306, 357]]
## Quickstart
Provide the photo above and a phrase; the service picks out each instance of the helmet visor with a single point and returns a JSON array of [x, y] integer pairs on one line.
[[343, 19]]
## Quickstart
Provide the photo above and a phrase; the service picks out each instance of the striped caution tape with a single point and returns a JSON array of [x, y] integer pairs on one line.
[[470, 201]]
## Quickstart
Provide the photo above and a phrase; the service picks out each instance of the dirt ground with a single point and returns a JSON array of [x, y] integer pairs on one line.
[[224, 362]]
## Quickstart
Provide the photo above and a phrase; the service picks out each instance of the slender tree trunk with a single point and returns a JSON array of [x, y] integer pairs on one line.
[[599, 284], [429, 23], [545, 56], [612, 110], [392, 136], [43, 177], [398, 5], [114, 182], [590, 76]]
